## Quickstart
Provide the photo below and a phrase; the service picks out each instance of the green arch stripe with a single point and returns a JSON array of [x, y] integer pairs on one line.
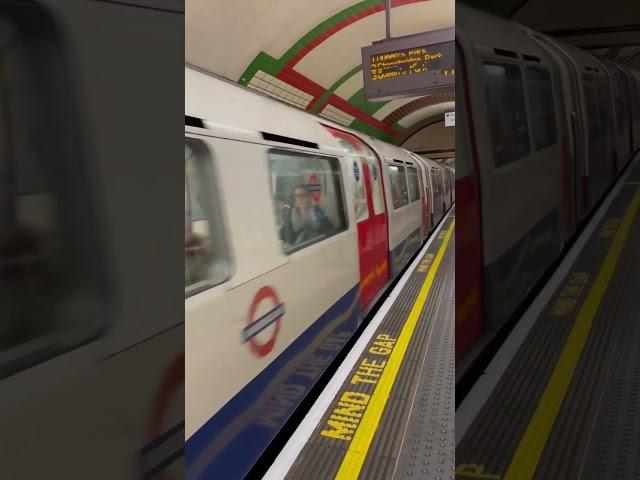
[[326, 25], [321, 101], [274, 65]]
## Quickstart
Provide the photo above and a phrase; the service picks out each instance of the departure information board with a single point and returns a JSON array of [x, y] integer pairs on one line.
[[409, 66]]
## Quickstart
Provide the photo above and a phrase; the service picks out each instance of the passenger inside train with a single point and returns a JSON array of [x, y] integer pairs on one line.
[[307, 204], [308, 221], [199, 252]]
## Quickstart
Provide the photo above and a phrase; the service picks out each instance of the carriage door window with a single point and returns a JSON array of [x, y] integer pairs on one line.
[[621, 94], [376, 182], [359, 192], [507, 113], [414, 186], [436, 181], [307, 197], [54, 288], [205, 254], [398, 181], [604, 106], [543, 116]]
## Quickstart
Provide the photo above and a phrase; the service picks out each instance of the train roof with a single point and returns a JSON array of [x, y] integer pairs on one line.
[[491, 36], [232, 111]]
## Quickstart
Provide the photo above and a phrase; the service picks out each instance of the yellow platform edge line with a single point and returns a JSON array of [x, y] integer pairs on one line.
[[357, 452], [527, 455]]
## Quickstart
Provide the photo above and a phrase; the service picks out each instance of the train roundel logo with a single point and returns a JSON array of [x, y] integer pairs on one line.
[[356, 171], [314, 188], [271, 319]]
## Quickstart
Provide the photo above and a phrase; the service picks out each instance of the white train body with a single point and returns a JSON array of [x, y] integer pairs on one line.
[[262, 330]]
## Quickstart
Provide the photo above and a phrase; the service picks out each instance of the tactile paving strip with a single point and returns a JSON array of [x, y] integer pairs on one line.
[[566, 452], [384, 460], [614, 447], [597, 431], [429, 448], [322, 456]]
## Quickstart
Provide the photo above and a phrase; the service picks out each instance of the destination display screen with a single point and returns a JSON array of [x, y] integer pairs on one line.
[[409, 66], [412, 61]]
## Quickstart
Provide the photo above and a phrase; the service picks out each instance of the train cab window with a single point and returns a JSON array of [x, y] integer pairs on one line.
[[414, 186], [398, 182], [307, 198], [541, 106], [205, 255], [507, 114]]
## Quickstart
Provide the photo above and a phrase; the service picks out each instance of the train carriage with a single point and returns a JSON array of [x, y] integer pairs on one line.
[[544, 132], [295, 225]]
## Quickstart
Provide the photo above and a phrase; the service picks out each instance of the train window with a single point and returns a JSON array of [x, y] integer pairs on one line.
[[604, 105], [398, 181], [507, 113], [359, 193], [376, 185], [54, 287], [206, 261], [414, 186], [543, 116], [594, 129], [308, 198], [435, 178]]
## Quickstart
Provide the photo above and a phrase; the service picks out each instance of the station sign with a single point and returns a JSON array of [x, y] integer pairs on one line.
[[409, 66]]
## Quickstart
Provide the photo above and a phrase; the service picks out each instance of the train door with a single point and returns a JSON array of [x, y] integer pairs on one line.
[[470, 320], [431, 182], [425, 189], [423, 208], [439, 189], [371, 216], [453, 185]]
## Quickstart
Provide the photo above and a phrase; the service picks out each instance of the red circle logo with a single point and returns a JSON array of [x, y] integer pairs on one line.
[[257, 325]]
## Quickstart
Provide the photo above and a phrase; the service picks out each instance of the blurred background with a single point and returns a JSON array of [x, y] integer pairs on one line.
[[91, 304]]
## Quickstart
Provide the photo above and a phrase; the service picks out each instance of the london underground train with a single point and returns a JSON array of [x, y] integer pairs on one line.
[[544, 129], [294, 226]]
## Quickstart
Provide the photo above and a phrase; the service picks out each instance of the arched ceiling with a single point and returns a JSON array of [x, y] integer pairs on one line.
[[308, 53]]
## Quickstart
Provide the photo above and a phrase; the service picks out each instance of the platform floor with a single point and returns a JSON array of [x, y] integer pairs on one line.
[[568, 404], [393, 416]]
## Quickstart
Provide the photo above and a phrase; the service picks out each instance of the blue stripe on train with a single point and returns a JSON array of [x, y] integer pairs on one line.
[[230, 442]]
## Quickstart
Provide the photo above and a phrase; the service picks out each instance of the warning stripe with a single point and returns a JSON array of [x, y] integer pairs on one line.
[[362, 438], [527, 455]]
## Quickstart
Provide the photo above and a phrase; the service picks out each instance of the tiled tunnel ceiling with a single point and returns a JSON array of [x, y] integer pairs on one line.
[[308, 53]]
